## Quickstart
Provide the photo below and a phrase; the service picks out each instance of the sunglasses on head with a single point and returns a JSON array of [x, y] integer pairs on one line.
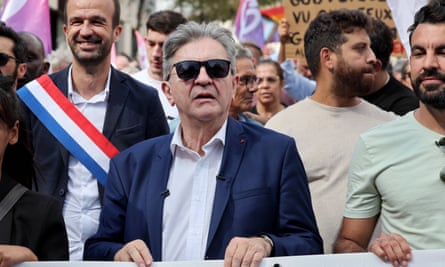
[[189, 69], [4, 58], [441, 144]]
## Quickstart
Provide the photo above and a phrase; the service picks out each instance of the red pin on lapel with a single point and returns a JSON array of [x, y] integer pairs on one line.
[[242, 141]]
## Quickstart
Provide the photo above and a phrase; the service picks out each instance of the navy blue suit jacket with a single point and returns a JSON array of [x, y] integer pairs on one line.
[[134, 113], [264, 191]]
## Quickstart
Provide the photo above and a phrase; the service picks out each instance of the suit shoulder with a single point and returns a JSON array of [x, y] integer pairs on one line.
[[135, 84], [147, 146]]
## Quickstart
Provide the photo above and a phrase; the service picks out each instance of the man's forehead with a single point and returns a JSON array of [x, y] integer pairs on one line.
[[155, 36], [6, 44], [427, 34], [201, 49]]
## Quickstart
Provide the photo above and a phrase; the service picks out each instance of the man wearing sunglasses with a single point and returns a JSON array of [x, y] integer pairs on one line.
[[12, 54], [397, 170], [214, 189]]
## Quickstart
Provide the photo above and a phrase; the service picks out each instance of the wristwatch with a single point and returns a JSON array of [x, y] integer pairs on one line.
[[268, 240]]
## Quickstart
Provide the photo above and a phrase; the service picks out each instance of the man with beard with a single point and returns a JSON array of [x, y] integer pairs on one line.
[[387, 93], [119, 109], [397, 172], [12, 54], [327, 124]]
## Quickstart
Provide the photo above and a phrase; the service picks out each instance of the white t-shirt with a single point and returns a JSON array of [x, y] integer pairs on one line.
[[170, 111], [326, 138]]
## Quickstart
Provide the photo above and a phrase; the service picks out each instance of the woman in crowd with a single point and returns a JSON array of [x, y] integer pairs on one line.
[[31, 224], [270, 83]]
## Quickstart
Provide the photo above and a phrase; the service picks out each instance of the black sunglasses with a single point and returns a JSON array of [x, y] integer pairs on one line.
[[4, 58], [441, 144], [189, 69]]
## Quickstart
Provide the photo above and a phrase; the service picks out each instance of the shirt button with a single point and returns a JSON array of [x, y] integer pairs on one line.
[[61, 192]]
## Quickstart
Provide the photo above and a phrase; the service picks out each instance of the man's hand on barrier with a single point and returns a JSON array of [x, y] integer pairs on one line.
[[246, 251], [392, 248], [11, 255], [135, 251]]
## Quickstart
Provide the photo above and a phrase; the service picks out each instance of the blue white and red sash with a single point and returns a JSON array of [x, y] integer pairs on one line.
[[69, 126]]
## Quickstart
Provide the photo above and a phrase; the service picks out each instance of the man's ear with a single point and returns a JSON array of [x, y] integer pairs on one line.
[[14, 134], [21, 70], [45, 68], [327, 58], [165, 86]]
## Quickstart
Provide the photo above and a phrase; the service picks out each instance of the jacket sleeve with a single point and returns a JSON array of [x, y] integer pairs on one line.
[[110, 235], [298, 233]]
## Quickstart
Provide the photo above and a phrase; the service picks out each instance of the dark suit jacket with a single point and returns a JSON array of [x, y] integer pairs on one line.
[[134, 113], [264, 191], [35, 222]]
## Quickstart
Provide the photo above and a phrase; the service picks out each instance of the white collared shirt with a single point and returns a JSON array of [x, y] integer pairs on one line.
[[82, 207], [188, 208]]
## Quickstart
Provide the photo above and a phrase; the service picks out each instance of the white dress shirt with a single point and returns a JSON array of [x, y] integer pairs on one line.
[[82, 207], [188, 207]]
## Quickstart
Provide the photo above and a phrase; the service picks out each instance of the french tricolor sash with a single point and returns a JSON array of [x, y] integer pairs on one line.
[[69, 126]]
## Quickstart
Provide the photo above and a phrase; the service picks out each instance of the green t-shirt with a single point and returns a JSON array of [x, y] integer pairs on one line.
[[395, 171]]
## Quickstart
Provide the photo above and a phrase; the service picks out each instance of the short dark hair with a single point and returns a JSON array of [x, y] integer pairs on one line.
[[116, 20], [165, 21], [327, 31], [19, 48], [381, 41], [433, 13]]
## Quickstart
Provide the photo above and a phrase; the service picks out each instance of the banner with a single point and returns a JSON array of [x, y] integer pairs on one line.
[[31, 16], [299, 13], [421, 258], [248, 23]]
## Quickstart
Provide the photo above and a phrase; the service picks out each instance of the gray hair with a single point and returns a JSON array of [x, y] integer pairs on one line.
[[60, 58], [243, 52], [192, 31]]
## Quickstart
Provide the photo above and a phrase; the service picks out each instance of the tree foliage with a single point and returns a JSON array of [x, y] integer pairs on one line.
[[209, 10]]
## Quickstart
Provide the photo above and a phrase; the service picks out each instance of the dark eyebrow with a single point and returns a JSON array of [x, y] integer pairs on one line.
[[417, 47]]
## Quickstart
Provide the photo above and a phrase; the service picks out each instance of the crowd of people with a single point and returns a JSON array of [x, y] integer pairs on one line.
[[217, 152]]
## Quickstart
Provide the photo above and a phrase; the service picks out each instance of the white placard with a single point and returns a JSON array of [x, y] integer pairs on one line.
[[421, 258]]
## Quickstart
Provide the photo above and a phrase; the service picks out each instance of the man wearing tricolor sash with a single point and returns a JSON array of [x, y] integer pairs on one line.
[[85, 114]]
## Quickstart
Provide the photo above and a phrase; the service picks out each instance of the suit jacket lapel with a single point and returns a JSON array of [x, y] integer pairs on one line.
[[233, 154], [156, 195], [118, 95]]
